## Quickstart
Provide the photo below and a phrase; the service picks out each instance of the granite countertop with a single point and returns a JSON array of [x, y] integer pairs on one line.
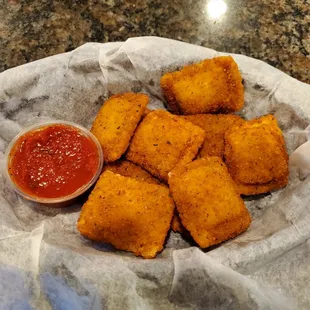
[[275, 31]]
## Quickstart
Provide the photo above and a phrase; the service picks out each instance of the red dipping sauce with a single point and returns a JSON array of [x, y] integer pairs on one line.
[[53, 161]]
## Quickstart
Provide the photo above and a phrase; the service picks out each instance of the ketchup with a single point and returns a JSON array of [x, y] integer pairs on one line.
[[53, 161]]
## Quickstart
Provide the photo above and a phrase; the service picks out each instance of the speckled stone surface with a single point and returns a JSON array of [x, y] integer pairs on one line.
[[275, 31]]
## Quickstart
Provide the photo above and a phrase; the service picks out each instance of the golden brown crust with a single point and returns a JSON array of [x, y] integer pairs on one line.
[[166, 83], [176, 224], [255, 189], [146, 112], [131, 215], [129, 169], [162, 141], [256, 157], [215, 126], [210, 86], [116, 122], [207, 201]]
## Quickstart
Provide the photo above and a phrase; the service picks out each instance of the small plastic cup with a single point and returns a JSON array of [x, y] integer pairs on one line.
[[59, 201]]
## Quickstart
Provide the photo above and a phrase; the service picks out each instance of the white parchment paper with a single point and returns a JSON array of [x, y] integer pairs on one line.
[[46, 264]]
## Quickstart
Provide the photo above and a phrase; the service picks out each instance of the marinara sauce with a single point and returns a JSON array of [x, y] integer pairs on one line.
[[53, 161]]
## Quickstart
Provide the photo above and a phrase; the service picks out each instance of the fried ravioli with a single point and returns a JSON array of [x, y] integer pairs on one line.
[[210, 86], [215, 126], [131, 215], [116, 122], [256, 157], [207, 201], [162, 141], [128, 169]]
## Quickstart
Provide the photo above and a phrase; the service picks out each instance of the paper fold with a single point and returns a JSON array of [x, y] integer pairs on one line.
[[265, 268]]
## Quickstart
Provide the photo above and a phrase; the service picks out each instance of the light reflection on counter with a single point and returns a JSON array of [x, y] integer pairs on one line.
[[216, 8]]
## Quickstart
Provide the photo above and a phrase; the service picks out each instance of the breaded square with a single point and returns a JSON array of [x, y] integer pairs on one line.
[[210, 86], [116, 122], [207, 201], [215, 126], [256, 156], [131, 215], [162, 141], [129, 169]]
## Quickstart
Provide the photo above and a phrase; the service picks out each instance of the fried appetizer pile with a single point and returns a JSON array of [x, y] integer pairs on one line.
[[116, 122], [207, 201], [256, 157], [129, 214], [128, 169], [211, 86], [162, 141], [215, 126], [151, 154]]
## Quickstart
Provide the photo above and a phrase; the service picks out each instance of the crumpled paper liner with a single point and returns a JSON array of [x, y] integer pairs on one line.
[[46, 264]]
